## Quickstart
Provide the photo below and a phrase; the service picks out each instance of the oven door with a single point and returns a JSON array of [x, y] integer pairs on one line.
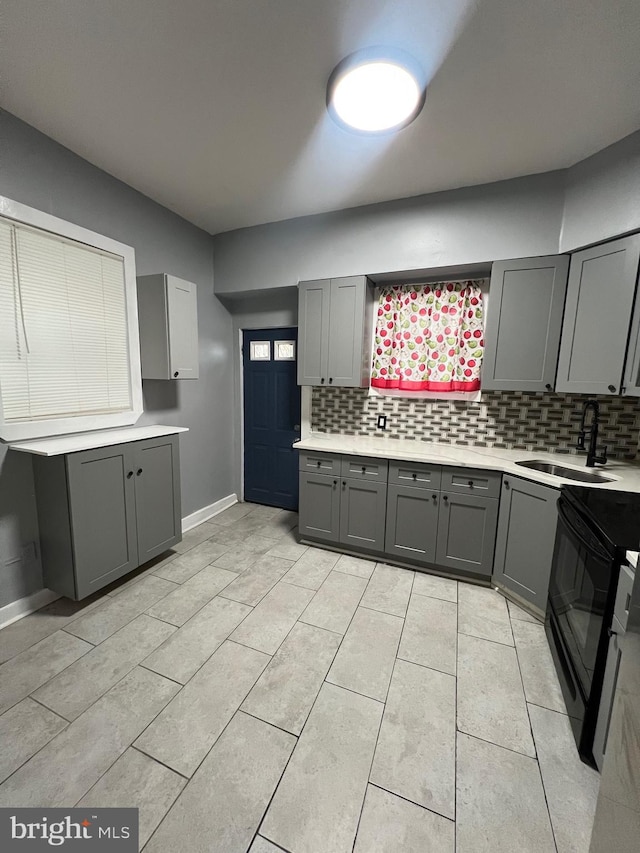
[[581, 579]]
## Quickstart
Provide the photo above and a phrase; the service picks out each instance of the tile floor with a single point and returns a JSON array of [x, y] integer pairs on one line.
[[250, 693]]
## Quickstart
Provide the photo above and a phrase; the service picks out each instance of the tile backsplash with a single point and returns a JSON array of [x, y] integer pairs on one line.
[[506, 419]]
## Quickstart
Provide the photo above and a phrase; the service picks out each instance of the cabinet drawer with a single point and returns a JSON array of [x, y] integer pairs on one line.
[[623, 595], [473, 481], [321, 463], [364, 468], [415, 474]]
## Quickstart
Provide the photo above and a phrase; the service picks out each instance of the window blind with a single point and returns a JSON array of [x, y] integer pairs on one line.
[[64, 348]]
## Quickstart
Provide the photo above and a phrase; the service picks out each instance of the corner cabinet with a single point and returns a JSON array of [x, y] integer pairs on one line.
[[103, 512], [524, 319], [526, 536], [334, 332], [599, 333], [168, 323]]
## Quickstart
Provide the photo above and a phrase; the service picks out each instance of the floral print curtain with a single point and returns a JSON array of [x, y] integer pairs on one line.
[[429, 337]]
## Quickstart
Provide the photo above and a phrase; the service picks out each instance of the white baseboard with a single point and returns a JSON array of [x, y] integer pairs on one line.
[[24, 606], [208, 512]]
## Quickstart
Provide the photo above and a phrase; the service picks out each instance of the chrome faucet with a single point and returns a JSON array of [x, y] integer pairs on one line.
[[592, 451]]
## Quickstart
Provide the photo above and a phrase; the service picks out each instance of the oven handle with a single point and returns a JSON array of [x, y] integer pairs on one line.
[[594, 547]]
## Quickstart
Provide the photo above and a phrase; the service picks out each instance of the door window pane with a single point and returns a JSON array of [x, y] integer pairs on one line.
[[285, 351], [260, 351]]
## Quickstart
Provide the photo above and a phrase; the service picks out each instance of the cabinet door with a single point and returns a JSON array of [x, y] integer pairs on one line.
[[313, 331], [612, 668], [319, 507], [631, 381], [526, 298], [363, 507], [182, 311], [156, 466], [347, 331], [526, 536], [412, 524], [101, 487], [466, 533], [600, 296]]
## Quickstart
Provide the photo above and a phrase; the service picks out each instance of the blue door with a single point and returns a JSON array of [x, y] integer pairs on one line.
[[271, 417]]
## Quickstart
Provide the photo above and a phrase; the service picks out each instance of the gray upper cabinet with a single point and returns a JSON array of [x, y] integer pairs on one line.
[[526, 535], [103, 512], [168, 322], [313, 331], [522, 335], [334, 332], [597, 320]]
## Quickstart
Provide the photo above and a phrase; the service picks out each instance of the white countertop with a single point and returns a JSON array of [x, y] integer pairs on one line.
[[58, 445], [625, 476]]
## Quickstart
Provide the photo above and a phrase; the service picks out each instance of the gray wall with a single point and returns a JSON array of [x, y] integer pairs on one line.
[[254, 311], [38, 172], [603, 195], [509, 219]]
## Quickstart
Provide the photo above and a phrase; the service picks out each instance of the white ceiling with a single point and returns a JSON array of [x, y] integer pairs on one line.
[[215, 108]]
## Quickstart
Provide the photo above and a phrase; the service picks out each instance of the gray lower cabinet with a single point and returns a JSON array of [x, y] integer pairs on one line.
[[104, 512], [400, 510], [522, 333], [622, 605], [319, 515], [526, 535], [412, 524], [466, 533], [363, 507]]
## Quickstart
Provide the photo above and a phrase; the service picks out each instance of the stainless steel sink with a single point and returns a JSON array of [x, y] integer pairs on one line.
[[567, 473]]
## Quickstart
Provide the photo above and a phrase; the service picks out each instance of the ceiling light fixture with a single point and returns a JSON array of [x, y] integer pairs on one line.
[[376, 90]]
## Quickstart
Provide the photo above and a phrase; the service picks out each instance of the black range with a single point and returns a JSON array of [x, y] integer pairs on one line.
[[596, 527]]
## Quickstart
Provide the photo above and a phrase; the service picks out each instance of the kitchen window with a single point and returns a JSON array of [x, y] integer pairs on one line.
[[428, 338], [69, 353]]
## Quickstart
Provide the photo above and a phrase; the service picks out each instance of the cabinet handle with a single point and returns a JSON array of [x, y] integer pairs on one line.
[[319, 463], [330, 380], [506, 484], [445, 498], [611, 388], [470, 484], [364, 469], [415, 476], [322, 381], [175, 375], [344, 484], [335, 482], [129, 475], [435, 497], [138, 472], [548, 386], [611, 632]]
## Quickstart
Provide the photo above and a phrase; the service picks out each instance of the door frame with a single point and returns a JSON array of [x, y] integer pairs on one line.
[[305, 394]]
